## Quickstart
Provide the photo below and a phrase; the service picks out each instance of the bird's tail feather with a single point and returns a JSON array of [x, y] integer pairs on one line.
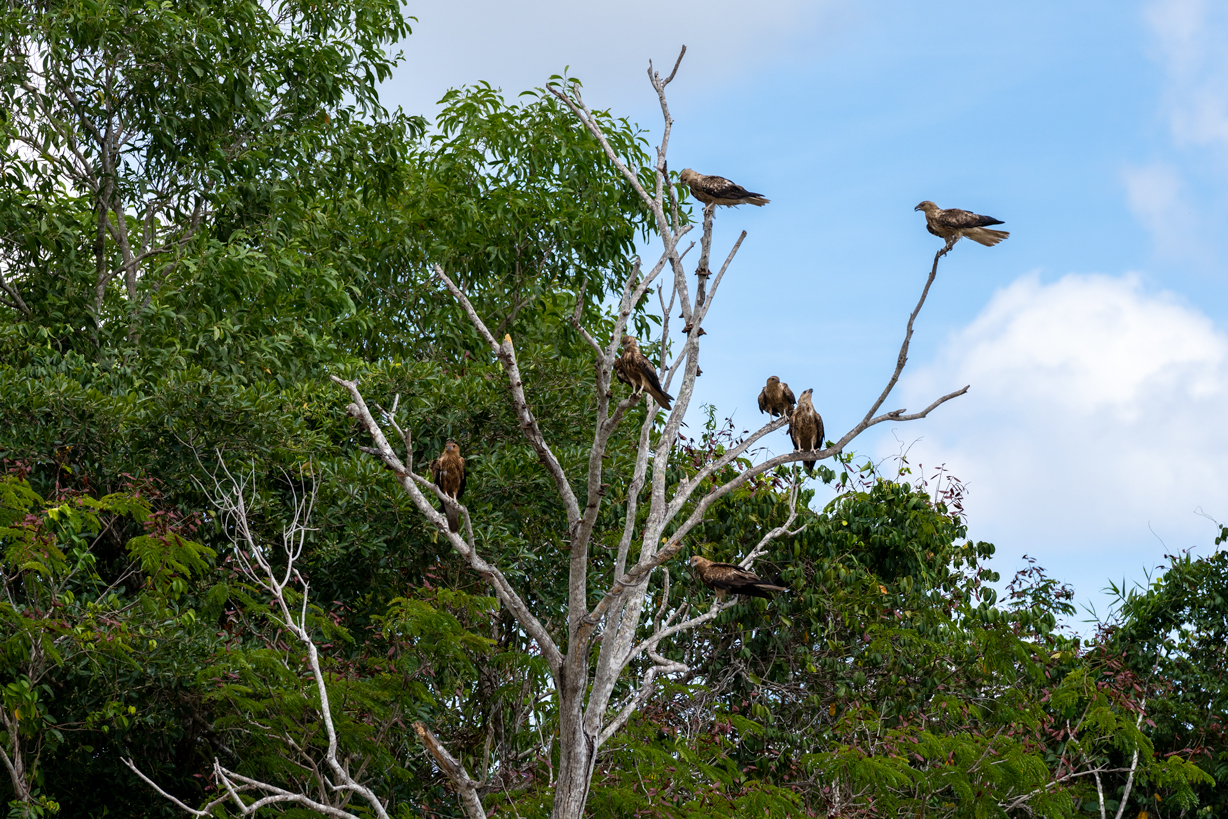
[[453, 515], [660, 397], [986, 236], [764, 590]]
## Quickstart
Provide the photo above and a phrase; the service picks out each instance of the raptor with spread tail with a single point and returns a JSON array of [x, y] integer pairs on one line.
[[953, 224], [717, 190]]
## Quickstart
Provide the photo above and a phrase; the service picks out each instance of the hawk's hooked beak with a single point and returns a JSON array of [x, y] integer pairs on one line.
[[918, 207]]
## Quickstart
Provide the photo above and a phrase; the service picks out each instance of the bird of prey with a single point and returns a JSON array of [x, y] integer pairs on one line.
[[806, 428], [776, 398], [727, 577], [634, 369], [717, 190], [448, 473], [952, 224]]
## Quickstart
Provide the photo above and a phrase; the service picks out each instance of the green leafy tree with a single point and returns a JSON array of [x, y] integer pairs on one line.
[[94, 596], [137, 132], [891, 681], [204, 211], [261, 256], [1171, 636]]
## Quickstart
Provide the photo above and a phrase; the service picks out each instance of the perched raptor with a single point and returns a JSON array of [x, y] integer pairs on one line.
[[634, 369], [806, 428], [726, 577], [776, 398], [448, 473], [952, 224], [717, 190]]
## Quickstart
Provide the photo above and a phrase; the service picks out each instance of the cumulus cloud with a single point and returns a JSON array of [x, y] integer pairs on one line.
[[518, 45], [1095, 424]]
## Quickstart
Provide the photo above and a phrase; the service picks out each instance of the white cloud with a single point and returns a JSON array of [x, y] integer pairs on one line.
[[607, 45], [1095, 419], [1190, 35], [1181, 201], [1158, 198]]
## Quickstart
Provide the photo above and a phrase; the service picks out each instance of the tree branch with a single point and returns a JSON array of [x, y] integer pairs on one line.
[[466, 787], [15, 295], [231, 502], [15, 764], [646, 688], [699, 302], [902, 358], [276, 795], [747, 562], [585, 116], [206, 811], [464, 547], [1125, 796], [507, 356], [575, 320]]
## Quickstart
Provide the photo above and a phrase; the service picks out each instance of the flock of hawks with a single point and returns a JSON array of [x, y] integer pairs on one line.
[[776, 399]]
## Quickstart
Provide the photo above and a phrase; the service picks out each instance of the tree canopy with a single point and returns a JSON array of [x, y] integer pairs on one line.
[[204, 213]]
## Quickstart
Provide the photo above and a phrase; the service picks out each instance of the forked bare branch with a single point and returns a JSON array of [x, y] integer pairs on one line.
[[228, 496]]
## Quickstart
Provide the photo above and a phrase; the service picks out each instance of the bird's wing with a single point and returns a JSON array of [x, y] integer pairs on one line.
[[722, 188], [435, 470], [740, 581], [957, 219], [650, 382], [730, 575], [801, 425], [790, 398], [460, 493], [763, 407]]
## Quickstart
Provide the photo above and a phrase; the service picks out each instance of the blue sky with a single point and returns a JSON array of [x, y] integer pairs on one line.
[[1095, 339]]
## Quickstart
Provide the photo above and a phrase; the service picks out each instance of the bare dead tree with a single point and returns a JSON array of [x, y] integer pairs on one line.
[[628, 630], [336, 785]]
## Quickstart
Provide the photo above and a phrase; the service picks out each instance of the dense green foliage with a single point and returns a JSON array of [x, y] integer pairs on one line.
[[1174, 635], [891, 683], [204, 211], [100, 637]]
